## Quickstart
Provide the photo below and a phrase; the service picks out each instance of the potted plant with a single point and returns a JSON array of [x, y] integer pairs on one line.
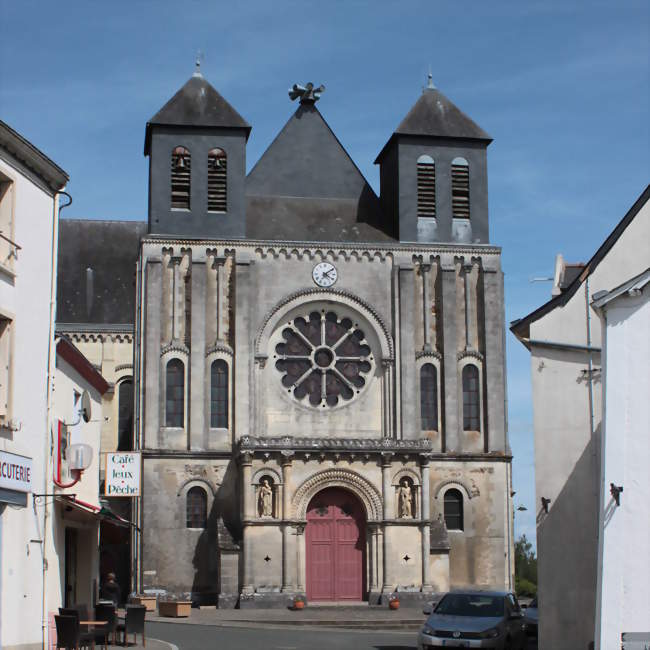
[[393, 601], [299, 602], [148, 600], [174, 607]]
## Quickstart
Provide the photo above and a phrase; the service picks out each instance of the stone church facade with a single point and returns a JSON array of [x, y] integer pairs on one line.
[[319, 372]]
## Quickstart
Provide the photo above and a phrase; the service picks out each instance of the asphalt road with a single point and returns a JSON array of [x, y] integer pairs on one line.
[[204, 637], [207, 637]]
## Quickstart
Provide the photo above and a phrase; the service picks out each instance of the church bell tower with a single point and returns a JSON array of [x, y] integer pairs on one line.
[[433, 174], [196, 146]]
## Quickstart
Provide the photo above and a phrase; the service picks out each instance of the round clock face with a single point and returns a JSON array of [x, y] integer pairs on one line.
[[324, 274]]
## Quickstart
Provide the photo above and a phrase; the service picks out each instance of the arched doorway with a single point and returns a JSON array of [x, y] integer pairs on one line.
[[336, 547]]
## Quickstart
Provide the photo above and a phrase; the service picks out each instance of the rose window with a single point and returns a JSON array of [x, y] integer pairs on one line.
[[323, 358]]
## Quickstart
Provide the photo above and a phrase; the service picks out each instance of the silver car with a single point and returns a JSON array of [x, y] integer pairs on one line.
[[475, 619]]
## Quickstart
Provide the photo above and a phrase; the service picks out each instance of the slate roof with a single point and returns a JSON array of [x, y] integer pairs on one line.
[[196, 104], [307, 187], [307, 219], [521, 326], [110, 249], [46, 169], [434, 115]]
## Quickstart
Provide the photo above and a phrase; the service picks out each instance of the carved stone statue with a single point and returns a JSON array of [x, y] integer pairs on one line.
[[265, 499], [404, 500]]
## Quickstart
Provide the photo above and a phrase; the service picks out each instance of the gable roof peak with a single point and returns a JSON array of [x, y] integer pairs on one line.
[[435, 115], [196, 104]]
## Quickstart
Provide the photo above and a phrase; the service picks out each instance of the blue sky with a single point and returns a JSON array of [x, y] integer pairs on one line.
[[561, 86]]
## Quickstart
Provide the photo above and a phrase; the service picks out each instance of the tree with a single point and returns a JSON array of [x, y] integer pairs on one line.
[[525, 568]]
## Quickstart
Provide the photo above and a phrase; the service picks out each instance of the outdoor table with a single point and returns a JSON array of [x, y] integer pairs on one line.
[[93, 623]]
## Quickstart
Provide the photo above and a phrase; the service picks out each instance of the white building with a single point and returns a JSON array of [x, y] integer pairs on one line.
[[72, 543], [623, 602], [30, 184], [564, 337]]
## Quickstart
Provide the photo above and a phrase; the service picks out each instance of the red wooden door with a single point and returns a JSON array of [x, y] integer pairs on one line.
[[336, 543]]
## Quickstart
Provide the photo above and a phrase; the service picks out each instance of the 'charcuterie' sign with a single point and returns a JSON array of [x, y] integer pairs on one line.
[[122, 474], [15, 472]]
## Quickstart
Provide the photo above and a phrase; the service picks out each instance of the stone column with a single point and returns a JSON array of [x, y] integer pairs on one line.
[[177, 281], [450, 362], [286, 506], [300, 557], [410, 428], [374, 557], [426, 529], [426, 305], [388, 497], [198, 430], [150, 342], [494, 370], [248, 507], [387, 401]]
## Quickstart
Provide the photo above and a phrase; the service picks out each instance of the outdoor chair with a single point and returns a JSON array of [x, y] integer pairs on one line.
[[69, 611], [69, 634], [133, 622], [82, 608], [106, 612]]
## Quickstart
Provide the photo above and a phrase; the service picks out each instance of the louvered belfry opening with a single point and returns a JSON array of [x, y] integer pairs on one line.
[[181, 178], [460, 188], [426, 187], [217, 178]]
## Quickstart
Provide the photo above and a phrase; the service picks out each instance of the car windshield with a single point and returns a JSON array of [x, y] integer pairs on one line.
[[470, 605], [533, 603]]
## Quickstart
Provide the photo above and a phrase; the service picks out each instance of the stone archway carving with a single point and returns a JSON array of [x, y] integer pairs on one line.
[[343, 478], [307, 296], [469, 490]]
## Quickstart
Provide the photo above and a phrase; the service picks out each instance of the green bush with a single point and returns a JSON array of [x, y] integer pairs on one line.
[[525, 588]]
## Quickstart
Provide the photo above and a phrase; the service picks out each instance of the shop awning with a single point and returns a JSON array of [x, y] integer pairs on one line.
[[78, 511]]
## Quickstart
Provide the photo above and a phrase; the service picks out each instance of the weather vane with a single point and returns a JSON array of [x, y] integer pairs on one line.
[[199, 57], [307, 93]]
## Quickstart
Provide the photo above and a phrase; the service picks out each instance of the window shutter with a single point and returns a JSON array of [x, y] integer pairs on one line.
[[460, 190], [181, 178], [426, 189], [217, 181]]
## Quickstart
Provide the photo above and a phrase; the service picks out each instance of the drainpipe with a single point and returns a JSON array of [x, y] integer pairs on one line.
[[56, 211]]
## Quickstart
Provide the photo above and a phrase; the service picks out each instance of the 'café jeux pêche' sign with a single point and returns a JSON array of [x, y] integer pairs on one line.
[[122, 474]]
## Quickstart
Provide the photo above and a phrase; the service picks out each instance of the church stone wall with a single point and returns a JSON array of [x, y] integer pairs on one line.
[[178, 559], [232, 301]]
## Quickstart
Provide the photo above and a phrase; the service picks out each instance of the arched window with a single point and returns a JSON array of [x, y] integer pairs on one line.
[[175, 395], [460, 188], [219, 394], [125, 415], [429, 397], [217, 181], [197, 508], [454, 510], [181, 178], [471, 399], [426, 187]]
